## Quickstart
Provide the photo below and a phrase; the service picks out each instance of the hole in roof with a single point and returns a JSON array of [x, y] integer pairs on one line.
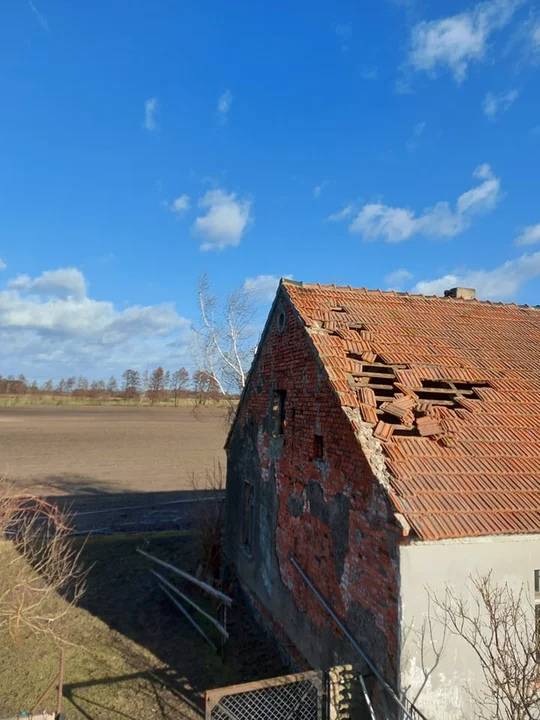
[[381, 379]]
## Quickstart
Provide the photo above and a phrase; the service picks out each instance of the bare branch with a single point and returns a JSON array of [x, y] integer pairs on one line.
[[38, 562], [498, 623], [224, 341]]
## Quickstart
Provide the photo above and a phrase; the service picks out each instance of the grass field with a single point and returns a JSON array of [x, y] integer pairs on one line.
[[74, 449], [134, 656], [69, 400]]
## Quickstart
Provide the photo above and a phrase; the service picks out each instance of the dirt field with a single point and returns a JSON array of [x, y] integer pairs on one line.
[[78, 450]]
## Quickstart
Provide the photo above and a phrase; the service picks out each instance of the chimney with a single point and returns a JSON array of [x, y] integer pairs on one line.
[[461, 293]]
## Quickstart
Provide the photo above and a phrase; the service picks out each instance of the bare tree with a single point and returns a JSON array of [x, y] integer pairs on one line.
[[145, 382], [71, 382], [37, 563], [499, 624], [179, 382], [131, 382], [225, 339], [205, 386], [48, 387], [156, 384], [426, 645], [112, 386], [209, 519]]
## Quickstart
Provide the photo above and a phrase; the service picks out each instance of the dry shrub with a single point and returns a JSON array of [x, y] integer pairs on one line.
[[209, 518], [38, 563], [498, 622]]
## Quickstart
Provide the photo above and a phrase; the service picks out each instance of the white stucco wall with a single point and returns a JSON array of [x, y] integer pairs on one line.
[[511, 559]]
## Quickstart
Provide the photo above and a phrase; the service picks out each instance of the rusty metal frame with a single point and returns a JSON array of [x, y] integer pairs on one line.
[[315, 677]]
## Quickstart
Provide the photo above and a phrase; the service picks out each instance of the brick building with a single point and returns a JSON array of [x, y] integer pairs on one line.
[[386, 443]]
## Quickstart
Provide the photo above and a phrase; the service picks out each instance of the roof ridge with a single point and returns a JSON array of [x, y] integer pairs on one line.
[[367, 291]]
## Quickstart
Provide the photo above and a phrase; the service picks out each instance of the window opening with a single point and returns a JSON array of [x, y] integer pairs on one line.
[[278, 412]]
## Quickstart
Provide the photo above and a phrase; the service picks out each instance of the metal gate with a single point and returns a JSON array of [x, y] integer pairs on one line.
[[291, 697]]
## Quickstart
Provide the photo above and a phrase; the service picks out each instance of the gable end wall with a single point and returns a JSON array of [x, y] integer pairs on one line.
[[332, 515]]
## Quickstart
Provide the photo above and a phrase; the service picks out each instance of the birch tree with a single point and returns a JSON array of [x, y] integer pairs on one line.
[[225, 337]]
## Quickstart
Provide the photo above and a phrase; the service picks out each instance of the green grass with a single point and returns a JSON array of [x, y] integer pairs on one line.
[[134, 656]]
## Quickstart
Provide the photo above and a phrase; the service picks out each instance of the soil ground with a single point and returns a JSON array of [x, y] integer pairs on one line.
[[135, 656], [78, 450]]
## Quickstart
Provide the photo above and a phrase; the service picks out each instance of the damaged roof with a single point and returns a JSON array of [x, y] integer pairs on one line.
[[451, 389]]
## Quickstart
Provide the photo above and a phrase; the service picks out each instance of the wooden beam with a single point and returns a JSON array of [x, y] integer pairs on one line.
[[384, 365], [442, 391], [368, 373]]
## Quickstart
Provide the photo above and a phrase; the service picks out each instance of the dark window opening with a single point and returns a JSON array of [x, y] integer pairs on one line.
[[248, 514], [281, 321], [318, 447], [278, 412]]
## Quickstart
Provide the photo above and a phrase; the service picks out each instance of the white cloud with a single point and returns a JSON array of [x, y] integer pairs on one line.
[[417, 132], [42, 20], [224, 106], [150, 111], [343, 32], [497, 104], [529, 236], [395, 224], [62, 283], [317, 190], [501, 283], [3, 265], [526, 39], [225, 221], [347, 211], [181, 204], [49, 326], [397, 279], [263, 287], [456, 41]]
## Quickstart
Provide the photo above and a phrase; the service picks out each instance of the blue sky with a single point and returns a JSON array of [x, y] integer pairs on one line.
[[386, 144]]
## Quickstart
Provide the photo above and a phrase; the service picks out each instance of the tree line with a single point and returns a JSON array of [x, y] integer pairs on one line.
[[223, 349], [157, 385]]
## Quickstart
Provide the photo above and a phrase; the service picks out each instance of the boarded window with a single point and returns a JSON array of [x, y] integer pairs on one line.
[[248, 512], [278, 412]]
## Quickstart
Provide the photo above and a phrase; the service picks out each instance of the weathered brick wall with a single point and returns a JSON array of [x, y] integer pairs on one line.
[[330, 514]]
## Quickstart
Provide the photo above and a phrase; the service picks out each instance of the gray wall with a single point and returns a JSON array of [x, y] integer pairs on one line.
[[512, 560]]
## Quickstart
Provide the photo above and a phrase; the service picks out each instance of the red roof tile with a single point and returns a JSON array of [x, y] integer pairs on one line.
[[470, 464]]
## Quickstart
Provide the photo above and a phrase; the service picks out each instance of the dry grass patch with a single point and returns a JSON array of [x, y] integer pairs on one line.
[[132, 655]]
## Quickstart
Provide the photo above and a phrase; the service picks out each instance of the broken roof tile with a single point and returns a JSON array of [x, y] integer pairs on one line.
[[479, 473], [383, 431]]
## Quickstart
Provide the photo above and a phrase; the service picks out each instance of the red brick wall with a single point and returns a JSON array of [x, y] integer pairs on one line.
[[330, 514]]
